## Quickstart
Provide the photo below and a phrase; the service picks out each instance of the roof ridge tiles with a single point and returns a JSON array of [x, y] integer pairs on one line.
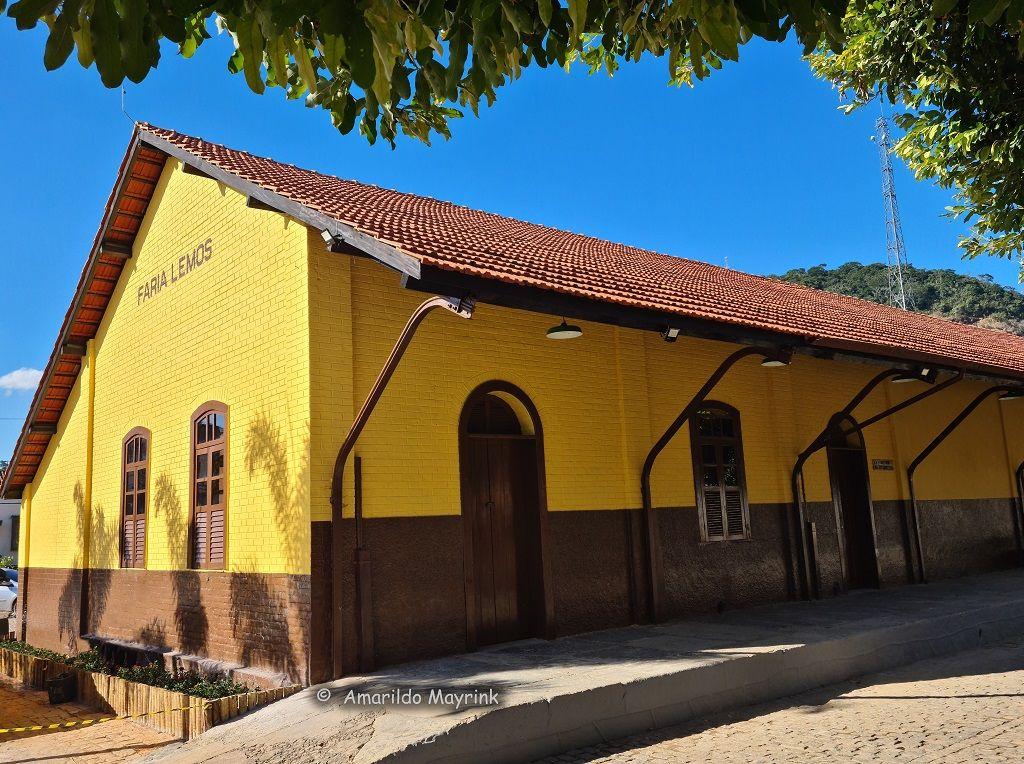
[[457, 237]]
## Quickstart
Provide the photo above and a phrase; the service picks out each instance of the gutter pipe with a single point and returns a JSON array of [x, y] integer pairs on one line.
[[936, 441], [807, 585], [462, 308]]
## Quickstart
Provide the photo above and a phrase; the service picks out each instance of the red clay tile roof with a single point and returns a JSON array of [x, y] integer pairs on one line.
[[460, 239]]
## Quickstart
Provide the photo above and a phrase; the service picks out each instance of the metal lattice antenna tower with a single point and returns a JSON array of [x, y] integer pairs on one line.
[[896, 251]]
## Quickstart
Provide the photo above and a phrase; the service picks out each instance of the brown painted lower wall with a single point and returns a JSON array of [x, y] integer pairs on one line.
[[418, 577], [273, 622], [964, 537], [701, 577], [590, 564], [256, 620]]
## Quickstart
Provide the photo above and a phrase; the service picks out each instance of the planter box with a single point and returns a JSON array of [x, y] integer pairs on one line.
[[181, 715]]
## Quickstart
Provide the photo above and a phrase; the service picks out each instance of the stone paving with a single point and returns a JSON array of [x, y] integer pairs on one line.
[[966, 707], [580, 690], [116, 741]]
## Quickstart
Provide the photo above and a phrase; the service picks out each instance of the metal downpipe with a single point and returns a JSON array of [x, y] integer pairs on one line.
[[652, 547], [797, 476], [461, 308], [935, 443], [1020, 513]]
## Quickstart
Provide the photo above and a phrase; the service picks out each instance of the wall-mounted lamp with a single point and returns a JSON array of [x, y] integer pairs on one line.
[[1010, 395], [781, 358], [564, 331], [670, 334], [925, 374], [333, 244]]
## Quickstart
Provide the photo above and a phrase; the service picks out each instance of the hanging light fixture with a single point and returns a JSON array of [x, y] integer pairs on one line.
[[564, 331], [925, 374], [781, 358]]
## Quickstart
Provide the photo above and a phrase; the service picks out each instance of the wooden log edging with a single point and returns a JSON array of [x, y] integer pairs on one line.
[[176, 713]]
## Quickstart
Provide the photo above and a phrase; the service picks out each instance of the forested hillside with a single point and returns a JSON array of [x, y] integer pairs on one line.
[[940, 292]]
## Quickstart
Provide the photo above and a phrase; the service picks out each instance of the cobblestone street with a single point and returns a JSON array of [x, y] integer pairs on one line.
[[116, 741], [966, 707]]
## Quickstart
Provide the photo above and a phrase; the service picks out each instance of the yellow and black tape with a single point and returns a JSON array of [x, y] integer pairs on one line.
[[83, 722]]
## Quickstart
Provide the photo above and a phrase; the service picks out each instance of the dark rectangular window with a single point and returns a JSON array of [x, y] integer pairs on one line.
[[209, 486], [134, 503], [721, 488]]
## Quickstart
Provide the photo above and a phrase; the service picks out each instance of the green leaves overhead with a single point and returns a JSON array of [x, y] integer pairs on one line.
[[957, 69], [395, 66]]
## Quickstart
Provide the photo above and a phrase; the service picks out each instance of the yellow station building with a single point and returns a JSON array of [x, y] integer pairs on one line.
[[229, 457]]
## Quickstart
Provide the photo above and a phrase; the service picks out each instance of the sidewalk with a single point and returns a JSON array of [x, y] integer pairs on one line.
[[117, 741], [582, 690]]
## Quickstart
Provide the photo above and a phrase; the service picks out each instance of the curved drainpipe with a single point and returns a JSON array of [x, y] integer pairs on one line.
[[461, 308], [797, 476], [1020, 513], [652, 548], [936, 441]]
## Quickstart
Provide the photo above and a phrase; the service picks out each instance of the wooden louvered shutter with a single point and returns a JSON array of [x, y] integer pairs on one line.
[[209, 488], [134, 498], [718, 470]]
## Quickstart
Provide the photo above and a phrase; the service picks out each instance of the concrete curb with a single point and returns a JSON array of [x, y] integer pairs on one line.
[[545, 727]]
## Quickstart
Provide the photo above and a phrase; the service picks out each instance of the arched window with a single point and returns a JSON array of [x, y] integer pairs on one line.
[[134, 497], [717, 448], [209, 485]]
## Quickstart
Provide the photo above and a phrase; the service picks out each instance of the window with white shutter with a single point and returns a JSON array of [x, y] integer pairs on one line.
[[134, 497], [209, 486], [720, 482]]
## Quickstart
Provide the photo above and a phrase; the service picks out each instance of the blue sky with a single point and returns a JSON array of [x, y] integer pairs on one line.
[[754, 168]]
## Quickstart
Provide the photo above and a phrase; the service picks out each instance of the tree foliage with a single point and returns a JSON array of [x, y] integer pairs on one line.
[[957, 68], [942, 292], [410, 66], [405, 65]]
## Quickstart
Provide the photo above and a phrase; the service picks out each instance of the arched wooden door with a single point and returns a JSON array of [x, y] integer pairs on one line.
[[851, 495], [502, 504]]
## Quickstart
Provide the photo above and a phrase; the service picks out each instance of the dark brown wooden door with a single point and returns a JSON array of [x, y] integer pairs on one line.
[[848, 469], [502, 513]]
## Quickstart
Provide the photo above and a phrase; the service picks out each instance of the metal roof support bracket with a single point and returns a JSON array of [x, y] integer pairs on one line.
[[922, 576], [652, 544], [809, 584], [1019, 513], [365, 651]]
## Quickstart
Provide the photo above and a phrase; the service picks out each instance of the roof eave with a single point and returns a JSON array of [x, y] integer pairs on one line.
[[387, 254]]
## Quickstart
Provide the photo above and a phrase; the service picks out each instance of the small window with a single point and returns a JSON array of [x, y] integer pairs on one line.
[[209, 485], [134, 498], [721, 486], [15, 532]]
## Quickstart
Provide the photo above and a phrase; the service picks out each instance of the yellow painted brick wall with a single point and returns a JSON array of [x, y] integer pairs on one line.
[[292, 337], [603, 400], [57, 513], [235, 329], [973, 462]]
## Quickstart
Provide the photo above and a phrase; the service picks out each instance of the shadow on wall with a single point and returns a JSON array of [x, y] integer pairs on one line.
[[103, 545], [259, 624], [255, 608], [266, 453], [191, 624]]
